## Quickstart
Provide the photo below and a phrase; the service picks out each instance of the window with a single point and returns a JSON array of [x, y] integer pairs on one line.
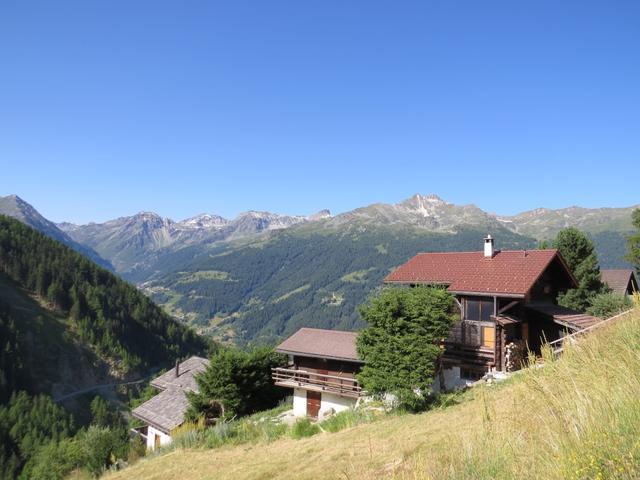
[[480, 309], [489, 337]]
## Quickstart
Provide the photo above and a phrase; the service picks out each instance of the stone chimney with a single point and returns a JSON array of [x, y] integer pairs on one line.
[[488, 247], [177, 368]]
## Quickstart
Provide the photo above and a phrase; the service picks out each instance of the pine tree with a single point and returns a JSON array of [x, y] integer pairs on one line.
[[579, 253], [633, 242]]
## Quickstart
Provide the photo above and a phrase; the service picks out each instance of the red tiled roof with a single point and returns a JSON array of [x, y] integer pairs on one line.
[[315, 342], [618, 280], [506, 273]]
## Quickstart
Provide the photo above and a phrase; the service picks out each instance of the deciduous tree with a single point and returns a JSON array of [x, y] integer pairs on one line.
[[400, 345]]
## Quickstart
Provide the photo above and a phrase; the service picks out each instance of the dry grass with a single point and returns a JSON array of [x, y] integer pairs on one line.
[[577, 418]]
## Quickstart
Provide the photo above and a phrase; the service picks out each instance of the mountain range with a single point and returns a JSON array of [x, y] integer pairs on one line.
[[261, 275]]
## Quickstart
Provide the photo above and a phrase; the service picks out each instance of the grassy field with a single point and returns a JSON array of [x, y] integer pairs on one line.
[[574, 418]]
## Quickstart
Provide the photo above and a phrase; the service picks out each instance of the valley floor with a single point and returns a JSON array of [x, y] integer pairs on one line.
[[578, 417]]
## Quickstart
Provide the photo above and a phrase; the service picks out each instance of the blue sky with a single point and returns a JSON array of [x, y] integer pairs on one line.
[[112, 107]]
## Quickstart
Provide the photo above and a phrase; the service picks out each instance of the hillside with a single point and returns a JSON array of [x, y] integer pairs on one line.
[[15, 207], [562, 421], [264, 290], [77, 324], [260, 276]]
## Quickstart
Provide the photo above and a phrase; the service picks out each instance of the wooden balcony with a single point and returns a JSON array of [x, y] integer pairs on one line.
[[469, 354], [320, 382]]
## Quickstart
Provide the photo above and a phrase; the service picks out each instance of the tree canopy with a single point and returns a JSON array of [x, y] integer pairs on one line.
[[108, 313], [579, 253], [633, 241], [240, 381], [401, 344]]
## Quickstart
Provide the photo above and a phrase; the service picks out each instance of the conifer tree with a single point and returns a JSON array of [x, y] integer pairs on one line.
[[579, 253], [633, 242]]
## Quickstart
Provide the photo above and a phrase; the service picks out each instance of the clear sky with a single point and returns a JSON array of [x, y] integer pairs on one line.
[[109, 107]]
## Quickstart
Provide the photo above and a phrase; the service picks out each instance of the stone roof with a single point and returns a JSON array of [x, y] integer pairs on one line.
[[619, 280], [319, 343], [511, 272], [166, 410], [186, 375]]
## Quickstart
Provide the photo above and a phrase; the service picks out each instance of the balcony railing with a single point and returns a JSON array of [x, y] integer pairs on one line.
[[290, 377], [456, 352]]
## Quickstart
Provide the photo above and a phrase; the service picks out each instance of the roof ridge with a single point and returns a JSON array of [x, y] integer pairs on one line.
[[328, 330], [497, 251]]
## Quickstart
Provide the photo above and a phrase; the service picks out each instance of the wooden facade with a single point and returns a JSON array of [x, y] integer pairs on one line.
[[320, 375], [490, 326]]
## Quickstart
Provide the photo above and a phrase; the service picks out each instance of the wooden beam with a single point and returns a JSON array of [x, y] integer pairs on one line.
[[507, 307]]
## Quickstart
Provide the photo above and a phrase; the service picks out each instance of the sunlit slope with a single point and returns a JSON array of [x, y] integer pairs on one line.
[[578, 417]]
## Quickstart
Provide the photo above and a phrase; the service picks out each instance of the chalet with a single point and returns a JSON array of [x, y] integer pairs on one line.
[[621, 281], [321, 371], [506, 301], [164, 412]]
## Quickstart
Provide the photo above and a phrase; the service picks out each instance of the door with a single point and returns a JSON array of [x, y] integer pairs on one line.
[[313, 403], [489, 337], [156, 441]]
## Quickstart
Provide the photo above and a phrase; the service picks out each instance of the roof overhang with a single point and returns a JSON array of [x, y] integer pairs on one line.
[[317, 355], [155, 425], [457, 292], [488, 294]]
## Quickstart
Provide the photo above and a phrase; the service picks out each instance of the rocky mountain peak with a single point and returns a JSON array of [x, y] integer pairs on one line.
[[204, 220], [321, 215]]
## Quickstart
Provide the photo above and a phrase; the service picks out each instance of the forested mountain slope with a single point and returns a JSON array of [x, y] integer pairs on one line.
[[16, 207], [61, 311], [267, 289]]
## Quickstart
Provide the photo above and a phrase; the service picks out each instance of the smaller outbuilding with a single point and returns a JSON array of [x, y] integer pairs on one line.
[[322, 371], [622, 281], [164, 412]]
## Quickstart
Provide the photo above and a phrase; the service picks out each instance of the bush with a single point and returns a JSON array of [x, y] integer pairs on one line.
[[304, 428], [347, 419], [103, 446], [605, 305], [240, 380], [55, 460], [259, 427], [401, 343]]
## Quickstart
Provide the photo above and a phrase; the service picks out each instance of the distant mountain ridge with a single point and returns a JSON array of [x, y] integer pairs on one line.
[[16, 207], [260, 276], [130, 242]]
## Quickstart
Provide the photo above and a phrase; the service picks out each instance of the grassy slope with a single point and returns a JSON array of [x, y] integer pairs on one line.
[[578, 417]]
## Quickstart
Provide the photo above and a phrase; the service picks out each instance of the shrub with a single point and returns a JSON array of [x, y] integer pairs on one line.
[[347, 419], [103, 446], [605, 305], [240, 380], [304, 428], [259, 427], [400, 345]]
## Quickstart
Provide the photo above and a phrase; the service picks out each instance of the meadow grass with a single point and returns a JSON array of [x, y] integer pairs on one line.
[[577, 417]]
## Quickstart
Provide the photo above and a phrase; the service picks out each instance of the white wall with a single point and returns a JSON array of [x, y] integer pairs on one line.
[[328, 401], [331, 401], [299, 402], [151, 438]]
